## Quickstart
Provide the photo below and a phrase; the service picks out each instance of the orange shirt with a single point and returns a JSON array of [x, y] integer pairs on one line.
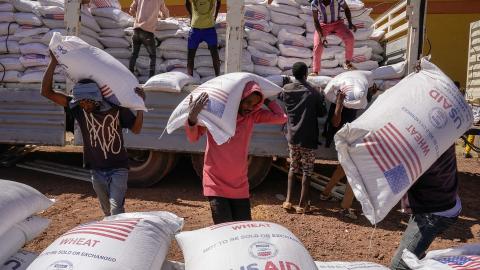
[[147, 12]]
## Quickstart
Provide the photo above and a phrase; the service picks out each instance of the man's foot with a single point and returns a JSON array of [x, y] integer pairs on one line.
[[287, 206], [313, 74], [349, 213], [303, 210], [348, 66], [329, 198], [468, 155]]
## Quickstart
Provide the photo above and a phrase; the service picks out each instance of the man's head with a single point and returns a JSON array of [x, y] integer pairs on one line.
[[87, 95], [251, 99], [300, 71]]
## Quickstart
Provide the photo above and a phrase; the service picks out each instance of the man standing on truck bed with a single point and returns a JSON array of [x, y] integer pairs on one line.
[[146, 13], [203, 14], [101, 125], [328, 20]]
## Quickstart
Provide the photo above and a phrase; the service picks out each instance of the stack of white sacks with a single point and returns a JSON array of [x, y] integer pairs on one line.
[[290, 30], [112, 37], [261, 42], [24, 55], [19, 205]]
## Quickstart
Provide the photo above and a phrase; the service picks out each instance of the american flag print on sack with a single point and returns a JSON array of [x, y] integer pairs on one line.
[[256, 26], [394, 156], [217, 100], [108, 94], [115, 229], [461, 262], [255, 15], [261, 61], [58, 17], [293, 43]]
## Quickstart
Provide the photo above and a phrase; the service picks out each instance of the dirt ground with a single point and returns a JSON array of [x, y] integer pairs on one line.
[[327, 235]]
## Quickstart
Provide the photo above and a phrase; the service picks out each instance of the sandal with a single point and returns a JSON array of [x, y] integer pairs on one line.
[[349, 213], [329, 198], [348, 66], [313, 74], [303, 210], [287, 206]]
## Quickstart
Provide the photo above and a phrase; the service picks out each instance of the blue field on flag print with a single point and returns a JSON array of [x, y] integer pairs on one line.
[[397, 179], [215, 107]]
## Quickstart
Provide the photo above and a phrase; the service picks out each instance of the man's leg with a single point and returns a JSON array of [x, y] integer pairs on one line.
[[118, 188], [308, 165], [215, 59], [137, 42], [317, 53], [348, 39], [148, 40], [100, 185], [295, 161], [194, 40], [421, 231], [212, 40], [241, 209], [338, 174], [347, 197], [221, 210]]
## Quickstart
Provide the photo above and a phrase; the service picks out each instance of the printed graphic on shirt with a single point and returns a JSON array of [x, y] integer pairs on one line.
[[104, 133]]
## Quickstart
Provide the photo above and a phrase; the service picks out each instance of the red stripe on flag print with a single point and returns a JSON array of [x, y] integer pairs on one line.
[[390, 151], [106, 92], [405, 150], [346, 88], [419, 163], [215, 95], [115, 229], [393, 143], [382, 147], [370, 150], [94, 228], [219, 92], [376, 150]]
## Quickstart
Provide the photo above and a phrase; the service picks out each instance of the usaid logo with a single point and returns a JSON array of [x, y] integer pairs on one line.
[[438, 118], [263, 250], [61, 265]]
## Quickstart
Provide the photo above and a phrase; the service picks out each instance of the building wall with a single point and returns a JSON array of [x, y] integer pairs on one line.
[[448, 24]]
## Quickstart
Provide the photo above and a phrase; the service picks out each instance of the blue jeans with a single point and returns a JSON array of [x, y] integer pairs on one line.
[[421, 231], [110, 186]]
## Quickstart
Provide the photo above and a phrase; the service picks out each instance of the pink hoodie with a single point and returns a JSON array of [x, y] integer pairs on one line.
[[225, 168]]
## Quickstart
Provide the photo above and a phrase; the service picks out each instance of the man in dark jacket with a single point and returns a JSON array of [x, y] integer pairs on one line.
[[303, 105], [434, 206]]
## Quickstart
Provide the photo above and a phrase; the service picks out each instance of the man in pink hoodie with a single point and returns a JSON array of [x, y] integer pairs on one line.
[[225, 180]]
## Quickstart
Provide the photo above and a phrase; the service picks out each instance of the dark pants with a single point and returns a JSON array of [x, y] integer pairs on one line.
[[148, 40], [421, 231], [229, 210]]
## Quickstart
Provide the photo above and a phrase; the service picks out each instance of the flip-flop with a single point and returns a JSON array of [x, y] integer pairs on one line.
[[287, 206], [349, 213], [328, 198], [303, 210]]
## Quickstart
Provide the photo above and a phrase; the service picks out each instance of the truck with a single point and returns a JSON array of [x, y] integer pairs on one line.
[[26, 118]]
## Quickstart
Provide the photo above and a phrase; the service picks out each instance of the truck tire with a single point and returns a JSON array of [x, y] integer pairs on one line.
[[149, 167], [3, 147], [258, 168]]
